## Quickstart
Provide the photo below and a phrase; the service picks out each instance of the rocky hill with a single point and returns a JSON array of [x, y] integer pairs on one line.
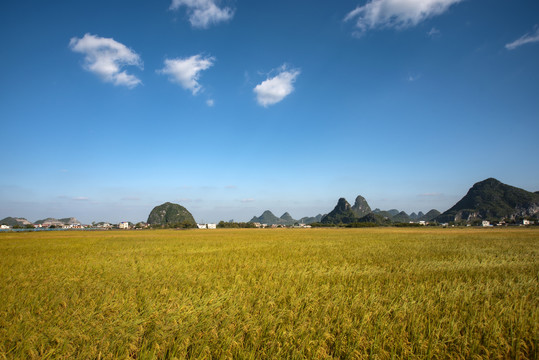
[[311, 219], [492, 200], [361, 207], [401, 217], [69, 221], [267, 217], [341, 214], [286, 219], [429, 216], [12, 221], [413, 216], [170, 214], [58, 222], [375, 219], [386, 213]]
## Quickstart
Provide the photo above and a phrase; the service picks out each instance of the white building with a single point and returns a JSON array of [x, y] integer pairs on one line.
[[123, 225], [485, 223], [207, 226], [4, 227]]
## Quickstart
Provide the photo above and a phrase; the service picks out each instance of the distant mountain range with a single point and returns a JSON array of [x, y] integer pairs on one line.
[[486, 200], [14, 222], [286, 219], [344, 213]]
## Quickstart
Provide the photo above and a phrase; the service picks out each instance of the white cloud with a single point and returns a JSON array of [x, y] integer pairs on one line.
[[524, 39], [210, 102], [250, 200], [275, 89], [433, 32], [106, 57], [412, 77], [430, 195], [186, 71], [396, 13], [203, 13]]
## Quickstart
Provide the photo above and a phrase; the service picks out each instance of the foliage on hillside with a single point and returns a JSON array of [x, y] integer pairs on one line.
[[401, 217], [267, 217], [311, 219], [235, 225], [361, 207], [377, 219], [492, 200], [430, 216], [14, 222], [341, 214], [169, 214]]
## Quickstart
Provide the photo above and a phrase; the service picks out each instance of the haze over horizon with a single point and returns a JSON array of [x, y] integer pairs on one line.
[[232, 107]]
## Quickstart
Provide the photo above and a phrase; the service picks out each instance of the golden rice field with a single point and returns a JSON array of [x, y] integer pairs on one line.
[[270, 294]]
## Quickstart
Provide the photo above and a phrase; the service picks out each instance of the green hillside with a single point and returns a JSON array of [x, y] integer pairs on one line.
[[170, 214]]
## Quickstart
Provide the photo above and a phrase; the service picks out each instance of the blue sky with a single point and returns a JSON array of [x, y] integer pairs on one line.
[[109, 108]]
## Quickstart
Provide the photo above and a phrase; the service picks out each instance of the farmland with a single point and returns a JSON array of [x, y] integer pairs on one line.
[[282, 293]]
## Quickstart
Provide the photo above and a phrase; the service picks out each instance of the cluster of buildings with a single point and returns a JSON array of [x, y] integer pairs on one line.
[[60, 226], [263, 226], [525, 222]]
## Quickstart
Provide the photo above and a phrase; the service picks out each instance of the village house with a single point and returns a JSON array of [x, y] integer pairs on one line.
[[207, 226]]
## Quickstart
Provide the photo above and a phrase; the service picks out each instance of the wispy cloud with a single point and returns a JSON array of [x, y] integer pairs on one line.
[[274, 89], [430, 195], [413, 77], [186, 71], [210, 102], [247, 200], [73, 198], [203, 13], [106, 57], [433, 33], [397, 14], [524, 39], [80, 198]]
